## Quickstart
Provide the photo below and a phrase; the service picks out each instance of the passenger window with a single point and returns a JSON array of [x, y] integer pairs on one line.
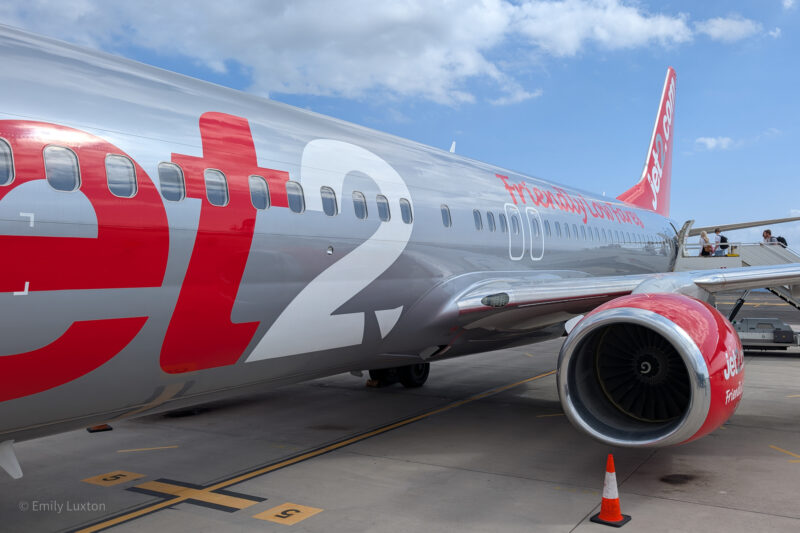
[[557, 227], [121, 176], [490, 220], [566, 231], [216, 187], [583, 233], [61, 168], [616, 236], [259, 192], [405, 211], [6, 163], [596, 234], [294, 193], [383, 208], [628, 237], [329, 205], [478, 219], [575, 230], [515, 225], [503, 223], [360, 205], [170, 176], [446, 220], [547, 228]]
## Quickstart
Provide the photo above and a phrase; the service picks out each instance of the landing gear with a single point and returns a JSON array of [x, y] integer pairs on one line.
[[383, 377], [411, 376]]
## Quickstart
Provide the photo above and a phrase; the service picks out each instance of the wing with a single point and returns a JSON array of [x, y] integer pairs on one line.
[[527, 303]]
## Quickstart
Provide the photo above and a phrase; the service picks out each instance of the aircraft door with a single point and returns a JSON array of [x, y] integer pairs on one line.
[[536, 233], [516, 233]]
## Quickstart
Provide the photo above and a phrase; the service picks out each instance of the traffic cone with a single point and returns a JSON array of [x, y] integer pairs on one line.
[[610, 513]]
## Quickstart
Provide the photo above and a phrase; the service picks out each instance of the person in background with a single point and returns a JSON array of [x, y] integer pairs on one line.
[[768, 238], [705, 245], [718, 251]]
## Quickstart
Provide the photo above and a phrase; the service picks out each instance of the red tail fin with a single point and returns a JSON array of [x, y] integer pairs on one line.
[[652, 191]]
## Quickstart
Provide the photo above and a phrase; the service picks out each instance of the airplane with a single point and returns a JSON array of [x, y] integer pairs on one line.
[[169, 242]]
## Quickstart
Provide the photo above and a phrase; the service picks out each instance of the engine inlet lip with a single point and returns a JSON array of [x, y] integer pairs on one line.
[[697, 369]]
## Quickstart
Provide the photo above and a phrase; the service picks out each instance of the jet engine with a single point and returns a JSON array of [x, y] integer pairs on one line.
[[651, 370]]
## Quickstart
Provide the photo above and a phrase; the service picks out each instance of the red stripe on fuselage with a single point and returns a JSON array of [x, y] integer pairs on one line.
[[201, 334], [82, 348]]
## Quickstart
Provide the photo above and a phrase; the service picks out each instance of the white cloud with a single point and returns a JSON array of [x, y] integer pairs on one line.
[[730, 29], [563, 28], [767, 134], [788, 4], [715, 143], [429, 49], [775, 33], [343, 48], [518, 96]]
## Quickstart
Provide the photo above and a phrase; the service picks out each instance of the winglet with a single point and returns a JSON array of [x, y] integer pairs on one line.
[[8, 459], [652, 190]]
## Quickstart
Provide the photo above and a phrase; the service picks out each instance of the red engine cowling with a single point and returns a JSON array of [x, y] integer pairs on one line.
[[651, 370]]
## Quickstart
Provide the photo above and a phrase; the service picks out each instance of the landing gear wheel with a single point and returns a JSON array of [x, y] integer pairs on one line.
[[383, 377], [413, 376]]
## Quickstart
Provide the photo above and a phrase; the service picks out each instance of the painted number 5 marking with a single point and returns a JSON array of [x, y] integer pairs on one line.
[[327, 163]]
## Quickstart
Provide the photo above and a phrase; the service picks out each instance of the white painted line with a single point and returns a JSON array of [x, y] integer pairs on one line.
[[30, 216], [24, 292]]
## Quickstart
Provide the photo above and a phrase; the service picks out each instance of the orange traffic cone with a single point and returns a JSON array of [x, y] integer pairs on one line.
[[610, 513]]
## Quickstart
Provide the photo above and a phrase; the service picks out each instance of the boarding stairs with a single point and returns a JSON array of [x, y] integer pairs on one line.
[[739, 254]]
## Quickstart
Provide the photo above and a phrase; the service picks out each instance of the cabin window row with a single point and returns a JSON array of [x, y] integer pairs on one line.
[[62, 172], [502, 224], [558, 229], [171, 178]]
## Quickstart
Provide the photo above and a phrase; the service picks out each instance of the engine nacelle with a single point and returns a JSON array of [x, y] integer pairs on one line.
[[651, 370]]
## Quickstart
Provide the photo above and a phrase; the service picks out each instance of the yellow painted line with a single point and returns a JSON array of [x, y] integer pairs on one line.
[[794, 396], [112, 478], [130, 516], [309, 455], [148, 449], [554, 414], [384, 429], [529, 354], [203, 495], [794, 460], [288, 513], [785, 451]]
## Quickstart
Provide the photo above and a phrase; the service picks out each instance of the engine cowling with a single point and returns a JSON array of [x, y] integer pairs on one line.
[[649, 370]]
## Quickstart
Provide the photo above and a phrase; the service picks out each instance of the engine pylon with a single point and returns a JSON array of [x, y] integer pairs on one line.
[[610, 513]]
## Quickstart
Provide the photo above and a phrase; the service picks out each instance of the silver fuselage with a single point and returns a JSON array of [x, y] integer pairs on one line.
[[324, 294]]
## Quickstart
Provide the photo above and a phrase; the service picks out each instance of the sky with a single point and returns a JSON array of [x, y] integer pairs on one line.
[[562, 90]]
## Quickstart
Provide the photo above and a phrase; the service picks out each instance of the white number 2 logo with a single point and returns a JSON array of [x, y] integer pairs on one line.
[[326, 163]]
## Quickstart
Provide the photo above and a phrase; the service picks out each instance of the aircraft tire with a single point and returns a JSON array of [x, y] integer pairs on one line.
[[413, 376]]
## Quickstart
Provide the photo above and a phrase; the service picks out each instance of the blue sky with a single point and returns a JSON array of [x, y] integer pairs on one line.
[[563, 90]]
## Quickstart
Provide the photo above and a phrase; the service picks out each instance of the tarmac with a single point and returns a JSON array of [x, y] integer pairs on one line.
[[482, 447]]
